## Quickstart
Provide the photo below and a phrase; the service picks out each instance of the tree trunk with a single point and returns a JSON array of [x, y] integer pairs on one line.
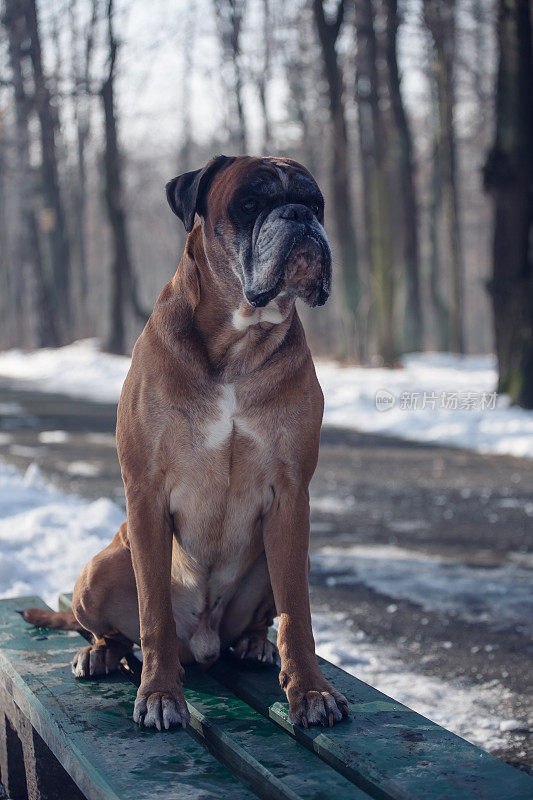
[[122, 281], [376, 190], [442, 323], [328, 33], [82, 120], [508, 176], [439, 16], [412, 333], [53, 218], [230, 15], [28, 246], [264, 78]]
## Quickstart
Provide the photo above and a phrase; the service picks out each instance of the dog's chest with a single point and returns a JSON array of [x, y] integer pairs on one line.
[[222, 484]]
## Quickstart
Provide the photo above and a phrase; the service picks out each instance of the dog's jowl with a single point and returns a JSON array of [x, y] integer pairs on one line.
[[218, 431]]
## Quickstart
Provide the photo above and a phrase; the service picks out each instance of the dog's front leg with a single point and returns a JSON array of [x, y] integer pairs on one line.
[[160, 701], [286, 538]]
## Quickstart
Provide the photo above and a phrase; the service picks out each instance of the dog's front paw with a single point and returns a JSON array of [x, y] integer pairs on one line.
[[161, 710], [320, 706]]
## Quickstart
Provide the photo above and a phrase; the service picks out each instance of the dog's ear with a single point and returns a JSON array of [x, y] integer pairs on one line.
[[186, 193]]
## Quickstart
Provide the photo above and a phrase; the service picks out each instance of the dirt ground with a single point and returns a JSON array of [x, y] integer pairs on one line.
[[444, 503]]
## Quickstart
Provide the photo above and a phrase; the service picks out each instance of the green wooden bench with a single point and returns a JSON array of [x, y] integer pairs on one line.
[[67, 739]]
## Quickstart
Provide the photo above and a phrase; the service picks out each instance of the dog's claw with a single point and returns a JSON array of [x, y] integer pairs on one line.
[[325, 707], [255, 649], [95, 661], [161, 710]]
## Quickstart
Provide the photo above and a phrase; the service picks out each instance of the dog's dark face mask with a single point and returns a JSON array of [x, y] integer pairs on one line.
[[264, 216]]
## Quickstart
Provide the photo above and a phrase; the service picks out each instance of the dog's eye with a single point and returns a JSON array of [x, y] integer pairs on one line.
[[250, 205], [315, 208]]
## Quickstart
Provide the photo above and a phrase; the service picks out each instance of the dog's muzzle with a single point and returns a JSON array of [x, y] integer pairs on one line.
[[307, 271], [291, 254]]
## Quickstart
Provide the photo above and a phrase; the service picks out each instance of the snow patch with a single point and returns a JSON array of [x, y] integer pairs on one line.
[[46, 536], [83, 469], [53, 437], [499, 596], [78, 370]]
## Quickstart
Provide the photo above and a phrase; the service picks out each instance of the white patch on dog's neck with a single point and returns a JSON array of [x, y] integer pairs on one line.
[[270, 313]]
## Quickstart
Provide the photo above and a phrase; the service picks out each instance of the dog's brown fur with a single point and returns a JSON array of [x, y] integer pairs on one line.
[[216, 480]]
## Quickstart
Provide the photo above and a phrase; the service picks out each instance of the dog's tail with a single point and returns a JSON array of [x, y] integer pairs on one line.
[[56, 620]]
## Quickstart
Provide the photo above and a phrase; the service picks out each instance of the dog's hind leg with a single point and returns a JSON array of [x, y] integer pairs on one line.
[[105, 604], [249, 616]]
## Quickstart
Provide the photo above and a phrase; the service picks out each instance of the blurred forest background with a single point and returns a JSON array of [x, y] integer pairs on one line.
[[416, 118]]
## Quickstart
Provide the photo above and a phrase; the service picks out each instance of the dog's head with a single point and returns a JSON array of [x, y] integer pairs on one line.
[[264, 218]]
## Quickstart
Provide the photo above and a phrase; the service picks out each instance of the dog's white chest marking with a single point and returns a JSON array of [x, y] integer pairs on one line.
[[229, 418], [219, 430]]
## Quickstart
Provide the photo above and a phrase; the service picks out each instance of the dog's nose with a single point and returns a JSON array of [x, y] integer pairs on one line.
[[258, 299], [296, 212]]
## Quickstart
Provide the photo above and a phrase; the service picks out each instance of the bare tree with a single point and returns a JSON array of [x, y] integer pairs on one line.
[[408, 209], [230, 15], [299, 56], [328, 33], [508, 176], [376, 189], [439, 17], [264, 74], [28, 245], [82, 101], [186, 145], [123, 287], [53, 221]]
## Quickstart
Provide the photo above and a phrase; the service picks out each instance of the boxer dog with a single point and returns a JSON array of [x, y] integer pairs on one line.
[[217, 434]]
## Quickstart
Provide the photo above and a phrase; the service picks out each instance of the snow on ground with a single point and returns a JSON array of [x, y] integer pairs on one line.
[[498, 596], [436, 397], [78, 370], [47, 536]]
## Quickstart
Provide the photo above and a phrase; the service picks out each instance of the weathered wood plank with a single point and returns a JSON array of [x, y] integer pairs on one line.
[[254, 748], [389, 750], [88, 726]]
